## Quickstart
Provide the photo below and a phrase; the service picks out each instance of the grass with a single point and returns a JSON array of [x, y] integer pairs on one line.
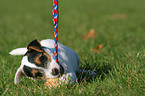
[[119, 25]]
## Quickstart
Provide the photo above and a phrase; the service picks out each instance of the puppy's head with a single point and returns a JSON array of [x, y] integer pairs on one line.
[[36, 55], [36, 63]]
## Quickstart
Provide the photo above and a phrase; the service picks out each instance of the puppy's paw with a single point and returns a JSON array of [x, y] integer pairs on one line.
[[53, 82]]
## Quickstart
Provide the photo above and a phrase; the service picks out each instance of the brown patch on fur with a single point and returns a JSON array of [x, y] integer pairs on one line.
[[34, 72], [34, 48], [37, 59], [38, 41], [48, 56], [43, 77]]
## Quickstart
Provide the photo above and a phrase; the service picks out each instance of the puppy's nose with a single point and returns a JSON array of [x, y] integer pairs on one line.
[[55, 71]]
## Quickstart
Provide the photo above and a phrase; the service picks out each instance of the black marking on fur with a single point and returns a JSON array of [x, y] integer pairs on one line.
[[38, 74], [43, 58], [35, 43], [28, 71], [54, 71], [61, 69], [32, 55]]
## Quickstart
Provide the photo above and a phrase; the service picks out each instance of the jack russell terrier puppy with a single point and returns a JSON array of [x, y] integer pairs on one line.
[[38, 62]]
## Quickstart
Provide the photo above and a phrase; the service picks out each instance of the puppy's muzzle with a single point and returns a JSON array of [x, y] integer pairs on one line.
[[54, 70]]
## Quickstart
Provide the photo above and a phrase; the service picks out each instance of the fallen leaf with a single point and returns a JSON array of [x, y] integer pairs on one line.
[[91, 34], [119, 16], [98, 48]]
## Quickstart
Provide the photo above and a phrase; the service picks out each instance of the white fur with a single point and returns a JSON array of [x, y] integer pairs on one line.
[[17, 75]]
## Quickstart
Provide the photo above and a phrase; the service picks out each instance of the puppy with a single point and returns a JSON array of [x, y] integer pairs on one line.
[[38, 62]]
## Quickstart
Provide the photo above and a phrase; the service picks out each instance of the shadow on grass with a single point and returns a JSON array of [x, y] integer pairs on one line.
[[88, 74]]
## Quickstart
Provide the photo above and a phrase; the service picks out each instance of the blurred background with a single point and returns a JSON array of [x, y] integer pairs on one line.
[[22, 21]]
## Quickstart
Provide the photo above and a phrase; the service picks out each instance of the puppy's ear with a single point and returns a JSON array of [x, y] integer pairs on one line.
[[18, 51], [35, 45], [18, 74]]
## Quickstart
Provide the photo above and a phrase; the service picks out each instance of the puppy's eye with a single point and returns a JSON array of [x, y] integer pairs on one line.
[[38, 74], [43, 58]]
